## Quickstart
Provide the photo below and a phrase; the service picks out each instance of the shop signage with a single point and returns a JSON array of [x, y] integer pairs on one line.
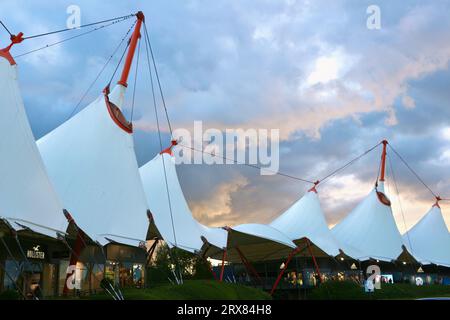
[[36, 253]]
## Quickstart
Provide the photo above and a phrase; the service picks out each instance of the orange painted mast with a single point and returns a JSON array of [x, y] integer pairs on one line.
[[133, 43], [383, 161]]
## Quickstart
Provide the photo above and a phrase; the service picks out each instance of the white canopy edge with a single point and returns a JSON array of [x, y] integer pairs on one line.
[[92, 163], [170, 210], [26, 192], [429, 240], [265, 232], [371, 229], [305, 219], [105, 239], [20, 224]]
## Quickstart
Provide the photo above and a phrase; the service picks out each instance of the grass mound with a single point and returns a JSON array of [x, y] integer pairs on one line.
[[346, 290], [192, 290]]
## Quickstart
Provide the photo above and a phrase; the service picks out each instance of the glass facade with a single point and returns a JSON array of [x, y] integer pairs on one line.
[[125, 274], [33, 278]]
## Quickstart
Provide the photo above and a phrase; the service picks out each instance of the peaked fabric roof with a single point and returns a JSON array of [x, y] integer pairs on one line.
[[255, 242], [305, 219], [371, 229], [177, 226], [91, 161], [429, 239], [27, 196]]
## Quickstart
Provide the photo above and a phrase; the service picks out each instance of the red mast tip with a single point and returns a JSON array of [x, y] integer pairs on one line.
[[313, 189], [383, 160], [140, 15], [133, 43], [5, 52], [436, 204]]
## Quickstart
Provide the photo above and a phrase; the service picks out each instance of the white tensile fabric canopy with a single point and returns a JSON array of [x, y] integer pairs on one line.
[[371, 229], [305, 219], [27, 197], [92, 163], [257, 242], [254, 240], [169, 208], [429, 239]]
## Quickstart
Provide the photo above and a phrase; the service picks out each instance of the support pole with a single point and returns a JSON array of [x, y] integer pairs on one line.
[[383, 161], [224, 256], [151, 251], [248, 265], [133, 43], [308, 243], [286, 263], [211, 270], [80, 244]]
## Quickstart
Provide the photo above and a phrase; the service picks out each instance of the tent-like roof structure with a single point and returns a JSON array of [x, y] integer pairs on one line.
[[91, 161], [170, 210], [178, 227], [429, 240], [27, 197], [305, 219], [256, 242], [371, 228]]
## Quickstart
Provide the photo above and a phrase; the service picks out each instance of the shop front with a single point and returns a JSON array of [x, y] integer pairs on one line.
[[30, 263], [125, 265]]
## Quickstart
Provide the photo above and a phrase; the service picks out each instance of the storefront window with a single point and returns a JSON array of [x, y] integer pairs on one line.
[[125, 274], [25, 275], [63, 265]]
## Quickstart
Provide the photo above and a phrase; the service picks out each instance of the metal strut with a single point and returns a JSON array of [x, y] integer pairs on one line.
[[288, 260], [286, 263], [314, 260], [248, 265], [224, 256], [151, 251]]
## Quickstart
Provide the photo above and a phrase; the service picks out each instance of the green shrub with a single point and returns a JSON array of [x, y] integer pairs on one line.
[[338, 290], [9, 295]]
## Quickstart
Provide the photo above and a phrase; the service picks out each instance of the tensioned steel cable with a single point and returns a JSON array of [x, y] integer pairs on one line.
[[119, 63], [81, 234], [173, 257], [7, 30], [347, 164], [100, 72], [247, 164], [27, 261], [412, 170], [16, 263], [67, 39], [135, 81], [63, 239], [399, 201], [157, 78], [13, 282], [224, 158], [159, 133], [82, 26]]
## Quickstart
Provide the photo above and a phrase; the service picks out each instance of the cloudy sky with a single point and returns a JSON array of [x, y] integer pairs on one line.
[[311, 69]]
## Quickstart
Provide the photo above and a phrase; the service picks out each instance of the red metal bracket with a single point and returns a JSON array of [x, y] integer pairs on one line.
[[5, 51], [168, 150]]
